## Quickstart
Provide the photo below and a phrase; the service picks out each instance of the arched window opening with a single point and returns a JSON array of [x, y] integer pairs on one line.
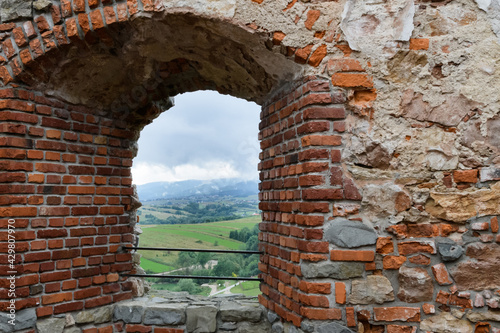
[[197, 178]]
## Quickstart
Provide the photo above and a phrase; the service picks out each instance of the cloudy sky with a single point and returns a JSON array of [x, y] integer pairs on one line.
[[204, 136]]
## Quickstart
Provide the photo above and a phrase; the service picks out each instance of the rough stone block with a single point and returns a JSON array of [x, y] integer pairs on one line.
[[165, 314], [130, 312], [350, 234], [51, 325], [375, 289], [336, 270], [201, 319], [235, 311]]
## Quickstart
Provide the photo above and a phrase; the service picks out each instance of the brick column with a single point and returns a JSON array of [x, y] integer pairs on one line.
[[66, 182], [302, 179]]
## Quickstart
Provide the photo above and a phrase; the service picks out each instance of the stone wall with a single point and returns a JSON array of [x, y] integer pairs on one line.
[[164, 313], [379, 167]]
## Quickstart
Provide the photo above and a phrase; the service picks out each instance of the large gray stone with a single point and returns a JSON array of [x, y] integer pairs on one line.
[[415, 285], [369, 25], [14, 9], [23, 319], [375, 289], [97, 316], [345, 233], [445, 323], [4, 323], [338, 270], [450, 251], [262, 327], [165, 314], [333, 328], [51, 325], [201, 319], [228, 326], [73, 329], [272, 317], [483, 316], [277, 328], [129, 311], [307, 327], [235, 311]]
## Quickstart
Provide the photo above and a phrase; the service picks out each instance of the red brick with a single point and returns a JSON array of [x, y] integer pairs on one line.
[[315, 301], [441, 274], [321, 140], [96, 19], [138, 328], [278, 37], [68, 307], [317, 56], [465, 176], [42, 23], [344, 65], [312, 17], [315, 288], [321, 314], [494, 224], [44, 311], [109, 15], [322, 194], [340, 293], [393, 262], [419, 43], [301, 55], [333, 112], [88, 292], [352, 255], [107, 329], [420, 260], [385, 245], [17, 211], [428, 308], [401, 329], [56, 298], [350, 80], [407, 314], [411, 247]]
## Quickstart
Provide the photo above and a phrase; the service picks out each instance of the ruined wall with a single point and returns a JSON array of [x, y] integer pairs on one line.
[[379, 165]]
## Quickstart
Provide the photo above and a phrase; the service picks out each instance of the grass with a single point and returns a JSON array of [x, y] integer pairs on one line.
[[247, 288], [173, 287], [154, 267], [202, 235]]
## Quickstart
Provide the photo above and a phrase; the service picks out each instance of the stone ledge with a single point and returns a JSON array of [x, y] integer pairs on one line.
[[177, 311]]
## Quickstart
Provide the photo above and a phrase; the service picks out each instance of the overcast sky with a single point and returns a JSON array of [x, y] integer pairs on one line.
[[204, 136]]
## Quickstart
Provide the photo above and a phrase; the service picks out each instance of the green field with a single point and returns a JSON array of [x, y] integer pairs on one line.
[[205, 291], [247, 288], [214, 235], [154, 267]]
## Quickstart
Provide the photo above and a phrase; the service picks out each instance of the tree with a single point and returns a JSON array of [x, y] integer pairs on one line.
[[189, 286], [203, 258], [252, 244], [187, 259]]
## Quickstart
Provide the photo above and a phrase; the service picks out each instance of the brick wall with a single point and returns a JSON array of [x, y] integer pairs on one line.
[[66, 182], [301, 179]]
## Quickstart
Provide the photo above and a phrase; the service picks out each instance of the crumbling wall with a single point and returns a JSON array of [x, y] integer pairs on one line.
[[379, 165]]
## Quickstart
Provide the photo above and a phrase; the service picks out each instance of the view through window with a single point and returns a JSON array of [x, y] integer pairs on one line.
[[196, 175]]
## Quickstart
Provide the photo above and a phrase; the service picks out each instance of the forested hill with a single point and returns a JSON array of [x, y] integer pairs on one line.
[[197, 188]]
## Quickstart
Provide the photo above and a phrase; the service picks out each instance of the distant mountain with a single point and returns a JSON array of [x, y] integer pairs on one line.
[[197, 188]]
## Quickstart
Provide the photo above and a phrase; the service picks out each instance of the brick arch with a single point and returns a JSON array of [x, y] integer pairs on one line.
[[59, 52]]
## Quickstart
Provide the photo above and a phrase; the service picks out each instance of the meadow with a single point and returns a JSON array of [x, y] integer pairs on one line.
[[214, 235]]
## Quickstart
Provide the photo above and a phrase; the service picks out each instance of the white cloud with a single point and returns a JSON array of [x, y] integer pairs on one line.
[[143, 172], [204, 136]]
